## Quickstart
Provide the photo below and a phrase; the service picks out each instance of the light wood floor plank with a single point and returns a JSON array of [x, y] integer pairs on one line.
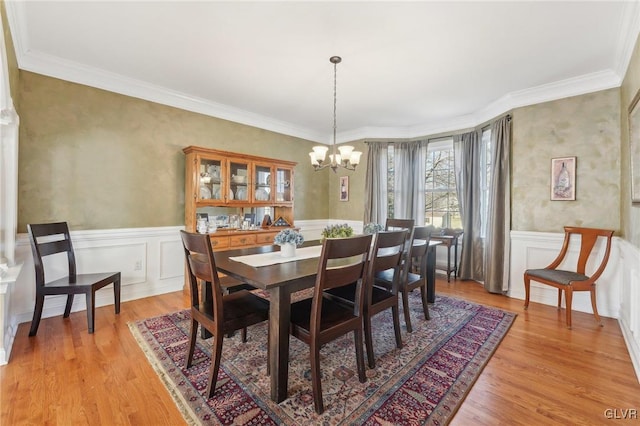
[[541, 373]]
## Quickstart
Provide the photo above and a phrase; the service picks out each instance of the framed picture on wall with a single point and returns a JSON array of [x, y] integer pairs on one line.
[[344, 188], [563, 179], [634, 147]]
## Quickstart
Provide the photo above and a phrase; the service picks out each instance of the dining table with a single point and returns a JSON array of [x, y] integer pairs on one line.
[[281, 280]]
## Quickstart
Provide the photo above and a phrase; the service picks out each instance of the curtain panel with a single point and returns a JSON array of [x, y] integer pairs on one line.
[[498, 243], [466, 157], [375, 186], [410, 160]]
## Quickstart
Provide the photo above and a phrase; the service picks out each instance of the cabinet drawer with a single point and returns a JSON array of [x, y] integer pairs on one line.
[[219, 243], [266, 238], [242, 240]]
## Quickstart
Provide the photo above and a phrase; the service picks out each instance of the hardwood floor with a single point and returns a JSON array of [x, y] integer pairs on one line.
[[541, 373]]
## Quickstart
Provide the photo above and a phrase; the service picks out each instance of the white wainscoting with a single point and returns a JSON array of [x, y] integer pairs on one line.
[[151, 263], [150, 260], [617, 290]]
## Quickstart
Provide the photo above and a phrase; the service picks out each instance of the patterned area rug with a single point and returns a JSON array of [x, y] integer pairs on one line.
[[423, 383]]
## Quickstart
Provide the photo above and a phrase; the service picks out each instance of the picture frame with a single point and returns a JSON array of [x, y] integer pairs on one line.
[[344, 188], [634, 147], [563, 179]]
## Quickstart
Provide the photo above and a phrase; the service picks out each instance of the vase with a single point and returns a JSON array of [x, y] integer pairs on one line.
[[288, 250]]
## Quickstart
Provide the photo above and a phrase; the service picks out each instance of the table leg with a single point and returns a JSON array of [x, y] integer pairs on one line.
[[448, 262], [455, 259], [279, 319], [431, 274]]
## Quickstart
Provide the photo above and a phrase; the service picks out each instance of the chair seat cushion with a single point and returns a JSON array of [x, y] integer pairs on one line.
[[556, 275], [333, 313], [241, 309], [347, 293]]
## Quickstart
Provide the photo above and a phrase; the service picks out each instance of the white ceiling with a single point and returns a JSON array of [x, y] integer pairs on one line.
[[409, 69]]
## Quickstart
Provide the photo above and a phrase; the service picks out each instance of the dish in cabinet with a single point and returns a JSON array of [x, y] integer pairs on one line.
[[241, 194], [205, 192], [262, 195]]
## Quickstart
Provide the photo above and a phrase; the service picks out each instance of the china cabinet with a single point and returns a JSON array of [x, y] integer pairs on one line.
[[227, 186]]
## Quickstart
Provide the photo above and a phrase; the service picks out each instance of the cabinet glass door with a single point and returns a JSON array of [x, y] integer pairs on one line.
[[284, 188], [239, 182], [262, 191], [210, 179]]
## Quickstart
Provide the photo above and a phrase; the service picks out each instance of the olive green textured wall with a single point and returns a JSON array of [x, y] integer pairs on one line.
[[630, 213], [353, 209], [101, 160], [586, 126]]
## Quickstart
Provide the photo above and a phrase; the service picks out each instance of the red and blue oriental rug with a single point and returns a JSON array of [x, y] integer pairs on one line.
[[423, 383]]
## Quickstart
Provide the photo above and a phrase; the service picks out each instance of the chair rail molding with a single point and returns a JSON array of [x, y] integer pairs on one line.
[[151, 261]]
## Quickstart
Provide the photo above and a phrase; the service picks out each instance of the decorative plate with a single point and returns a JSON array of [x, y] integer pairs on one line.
[[262, 195], [205, 192]]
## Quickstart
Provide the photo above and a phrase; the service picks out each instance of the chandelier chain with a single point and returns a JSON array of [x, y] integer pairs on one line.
[[348, 158], [335, 102]]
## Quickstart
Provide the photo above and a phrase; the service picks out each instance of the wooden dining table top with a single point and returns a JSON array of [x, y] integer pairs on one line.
[[267, 277]]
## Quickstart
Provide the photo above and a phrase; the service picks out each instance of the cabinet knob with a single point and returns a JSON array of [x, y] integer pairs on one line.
[[214, 243]]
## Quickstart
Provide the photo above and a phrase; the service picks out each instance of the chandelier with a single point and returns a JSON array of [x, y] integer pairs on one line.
[[348, 158]]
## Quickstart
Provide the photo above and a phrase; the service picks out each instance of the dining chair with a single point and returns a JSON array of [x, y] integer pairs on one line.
[[578, 280], [386, 254], [218, 313], [49, 239], [398, 224], [321, 319], [413, 275], [231, 285]]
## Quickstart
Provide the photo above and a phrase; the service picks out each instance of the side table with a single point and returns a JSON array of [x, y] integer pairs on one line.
[[449, 238]]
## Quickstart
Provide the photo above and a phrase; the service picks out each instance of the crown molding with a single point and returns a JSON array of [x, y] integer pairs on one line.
[[628, 36], [40, 63], [77, 73]]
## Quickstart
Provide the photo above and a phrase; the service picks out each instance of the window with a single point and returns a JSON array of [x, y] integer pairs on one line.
[[441, 200]]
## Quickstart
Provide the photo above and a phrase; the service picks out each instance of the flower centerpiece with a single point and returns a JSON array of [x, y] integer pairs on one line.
[[372, 228], [288, 239], [337, 231]]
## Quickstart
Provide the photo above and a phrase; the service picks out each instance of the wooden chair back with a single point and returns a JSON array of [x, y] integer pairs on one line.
[[588, 239], [343, 261], [55, 239], [387, 253], [398, 224], [419, 252], [201, 266]]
